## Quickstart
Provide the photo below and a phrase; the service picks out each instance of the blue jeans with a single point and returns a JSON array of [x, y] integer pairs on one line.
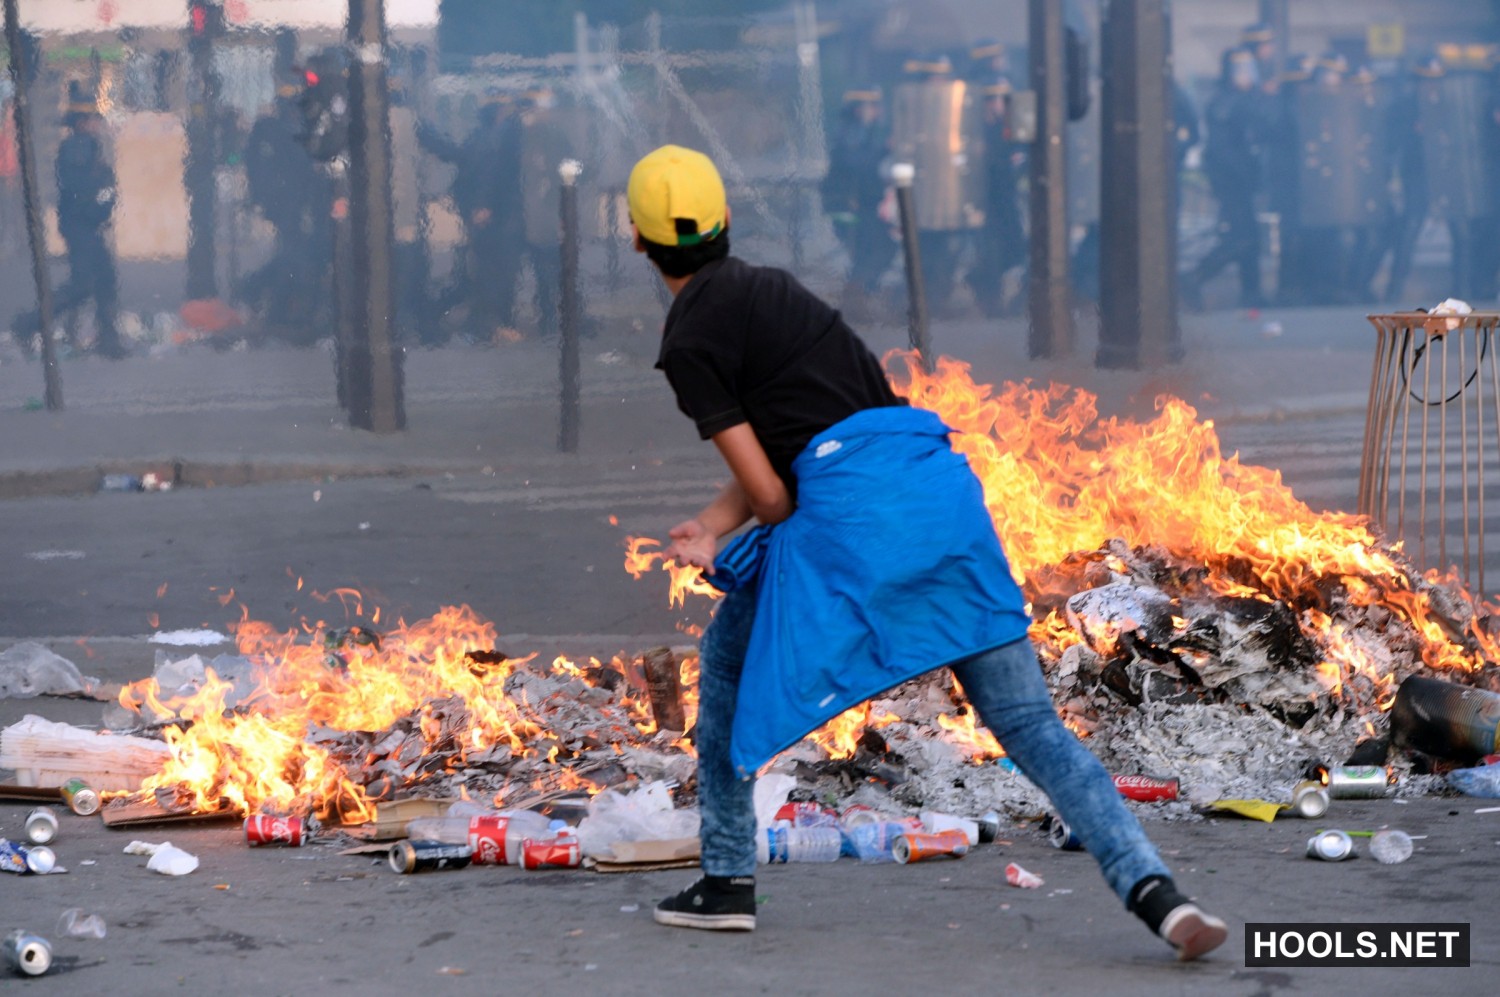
[[1006, 687]]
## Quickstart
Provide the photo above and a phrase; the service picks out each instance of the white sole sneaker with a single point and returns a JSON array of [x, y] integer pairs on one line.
[[1192, 932], [706, 922]]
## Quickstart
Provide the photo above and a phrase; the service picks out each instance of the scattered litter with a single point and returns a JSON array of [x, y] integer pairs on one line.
[[27, 954], [1487, 810], [221, 886], [644, 815], [88, 862], [452, 971], [1254, 809], [28, 669], [56, 555], [76, 924], [1016, 876], [364, 526], [1483, 780], [189, 638], [166, 858], [630, 908], [1390, 847]]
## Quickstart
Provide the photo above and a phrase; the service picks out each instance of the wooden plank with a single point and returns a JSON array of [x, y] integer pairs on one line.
[[47, 794], [132, 811]]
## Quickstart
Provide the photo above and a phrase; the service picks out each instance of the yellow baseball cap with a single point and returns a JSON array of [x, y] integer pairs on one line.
[[676, 197]]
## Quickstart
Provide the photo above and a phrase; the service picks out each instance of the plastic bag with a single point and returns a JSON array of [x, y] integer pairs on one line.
[[644, 815], [1483, 780], [28, 669]]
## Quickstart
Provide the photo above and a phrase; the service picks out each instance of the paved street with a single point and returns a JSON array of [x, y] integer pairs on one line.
[[474, 504]]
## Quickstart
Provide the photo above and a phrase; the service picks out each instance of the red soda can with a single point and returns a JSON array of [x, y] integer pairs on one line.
[[551, 853], [487, 839], [269, 829], [1145, 788]]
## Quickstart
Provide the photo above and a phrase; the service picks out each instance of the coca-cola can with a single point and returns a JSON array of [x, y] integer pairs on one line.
[[41, 825], [487, 839], [1145, 788], [551, 853], [856, 814], [271, 829]]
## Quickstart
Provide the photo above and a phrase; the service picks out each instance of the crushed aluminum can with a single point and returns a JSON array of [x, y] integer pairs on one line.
[[80, 798], [1309, 799], [915, 847], [27, 954], [1016, 876], [273, 829], [427, 856], [1145, 788], [41, 825], [18, 858], [857, 814], [561, 852], [1330, 846], [1357, 782], [1060, 835]]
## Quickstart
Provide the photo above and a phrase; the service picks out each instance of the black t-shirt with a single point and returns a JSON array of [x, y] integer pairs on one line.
[[751, 344]]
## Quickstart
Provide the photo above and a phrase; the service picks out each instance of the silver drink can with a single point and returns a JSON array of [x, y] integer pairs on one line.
[[1060, 835], [1357, 782], [1309, 799], [27, 954], [1330, 846], [41, 825], [40, 859]]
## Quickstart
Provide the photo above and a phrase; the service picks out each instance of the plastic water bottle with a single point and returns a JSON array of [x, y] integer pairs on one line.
[[1482, 780], [1390, 846], [448, 830], [799, 844], [874, 842]]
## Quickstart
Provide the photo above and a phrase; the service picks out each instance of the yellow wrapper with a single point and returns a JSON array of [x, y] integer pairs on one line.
[[1254, 809]]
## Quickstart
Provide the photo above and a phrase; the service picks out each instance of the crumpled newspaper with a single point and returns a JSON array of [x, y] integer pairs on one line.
[[166, 858], [1451, 306]]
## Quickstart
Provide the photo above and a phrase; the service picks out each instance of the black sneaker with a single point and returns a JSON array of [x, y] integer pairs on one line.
[[1180, 922], [714, 903]]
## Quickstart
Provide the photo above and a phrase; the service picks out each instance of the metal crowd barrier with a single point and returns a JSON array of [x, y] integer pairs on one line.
[[1431, 432]]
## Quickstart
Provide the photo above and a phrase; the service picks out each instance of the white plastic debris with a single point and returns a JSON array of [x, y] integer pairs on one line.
[[166, 858], [1452, 306], [1017, 876], [771, 791], [189, 638], [644, 815], [28, 669]]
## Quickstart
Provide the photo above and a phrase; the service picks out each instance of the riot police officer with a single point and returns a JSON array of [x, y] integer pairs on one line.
[[296, 198], [1236, 125], [486, 193], [852, 192], [85, 207], [1000, 243]]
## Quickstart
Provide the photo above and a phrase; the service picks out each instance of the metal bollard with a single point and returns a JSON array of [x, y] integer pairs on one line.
[[916, 293], [568, 374]]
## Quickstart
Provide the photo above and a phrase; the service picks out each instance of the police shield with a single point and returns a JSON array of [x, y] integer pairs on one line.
[[1453, 120], [1341, 138], [935, 126]]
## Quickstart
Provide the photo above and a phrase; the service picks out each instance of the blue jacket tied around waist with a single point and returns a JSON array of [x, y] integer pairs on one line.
[[888, 568]]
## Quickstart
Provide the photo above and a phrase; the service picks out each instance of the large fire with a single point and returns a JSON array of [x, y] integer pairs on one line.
[[1061, 484]]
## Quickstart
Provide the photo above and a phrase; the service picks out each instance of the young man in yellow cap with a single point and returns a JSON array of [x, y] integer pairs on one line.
[[875, 559]]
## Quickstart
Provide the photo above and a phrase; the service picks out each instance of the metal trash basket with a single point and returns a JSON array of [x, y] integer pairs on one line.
[[1432, 430]]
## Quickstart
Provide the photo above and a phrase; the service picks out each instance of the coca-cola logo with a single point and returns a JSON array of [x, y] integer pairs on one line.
[[487, 851], [282, 830], [1140, 781]]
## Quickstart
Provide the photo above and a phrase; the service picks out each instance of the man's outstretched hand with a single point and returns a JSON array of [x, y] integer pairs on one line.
[[693, 545]]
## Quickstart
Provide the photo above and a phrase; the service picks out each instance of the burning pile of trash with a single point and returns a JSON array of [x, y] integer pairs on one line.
[[1195, 621]]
